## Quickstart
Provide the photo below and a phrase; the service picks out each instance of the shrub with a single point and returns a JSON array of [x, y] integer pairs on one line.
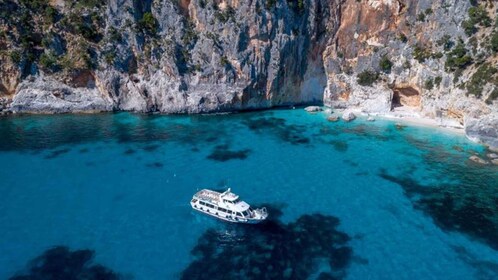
[[296, 5], [190, 35], [420, 53], [402, 37], [224, 61], [48, 61], [429, 84], [51, 14], [493, 96], [270, 4], [148, 24], [481, 77], [421, 16], [458, 58], [225, 15], [477, 16], [15, 56], [494, 42], [446, 42], [438, 80], [385, 64], [367, 78]]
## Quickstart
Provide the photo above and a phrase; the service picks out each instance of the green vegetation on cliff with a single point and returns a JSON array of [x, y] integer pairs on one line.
[[367, 78]]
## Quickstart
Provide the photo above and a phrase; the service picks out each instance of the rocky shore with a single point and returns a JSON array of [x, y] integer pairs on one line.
[[416, 59]]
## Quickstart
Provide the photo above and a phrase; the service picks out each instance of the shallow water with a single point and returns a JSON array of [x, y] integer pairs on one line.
[[348, 200]]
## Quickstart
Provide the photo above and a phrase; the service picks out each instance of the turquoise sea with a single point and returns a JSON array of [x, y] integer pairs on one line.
[[106, 196]]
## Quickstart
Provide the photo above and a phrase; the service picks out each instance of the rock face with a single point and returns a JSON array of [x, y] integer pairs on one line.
[[196, 56], [167, 56], [409, 49]]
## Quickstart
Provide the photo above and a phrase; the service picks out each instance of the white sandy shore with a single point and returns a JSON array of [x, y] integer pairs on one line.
[[411, 118]]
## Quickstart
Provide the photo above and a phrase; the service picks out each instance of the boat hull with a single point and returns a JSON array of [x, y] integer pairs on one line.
[[226, 218]]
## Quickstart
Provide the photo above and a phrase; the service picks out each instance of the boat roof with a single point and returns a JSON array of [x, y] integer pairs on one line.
[[209, 195], [216, 197]]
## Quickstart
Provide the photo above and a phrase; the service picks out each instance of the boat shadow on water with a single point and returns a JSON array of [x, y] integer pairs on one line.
[[272, 250]]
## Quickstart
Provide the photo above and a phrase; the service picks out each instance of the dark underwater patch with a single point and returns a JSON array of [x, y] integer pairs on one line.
[[272, 250], [32, 132], [84, 150], [340, 146], [129, 151], [150, 148], [369, 131], [293, 134], [155, 165], [223, 153], [57, 153], [61, 263], [454, 207]]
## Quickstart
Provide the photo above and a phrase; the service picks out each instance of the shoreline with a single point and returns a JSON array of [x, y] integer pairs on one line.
[[422, 122], [405, 118]]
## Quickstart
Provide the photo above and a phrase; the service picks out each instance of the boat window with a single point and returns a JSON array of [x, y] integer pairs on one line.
[[222, 210], [245, 213], [236, 201], [238, 214], [230, 212], [202, 203]]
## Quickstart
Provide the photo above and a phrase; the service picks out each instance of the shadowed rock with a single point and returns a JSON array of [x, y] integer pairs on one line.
[[272, 250], [60, 263]]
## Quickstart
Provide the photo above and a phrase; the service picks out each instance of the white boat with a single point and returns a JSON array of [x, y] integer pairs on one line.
[[227, 206]]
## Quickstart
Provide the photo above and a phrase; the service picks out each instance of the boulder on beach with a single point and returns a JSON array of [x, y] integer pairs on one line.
[[348, 116], [333, 118], [312, 109], [477, 159]]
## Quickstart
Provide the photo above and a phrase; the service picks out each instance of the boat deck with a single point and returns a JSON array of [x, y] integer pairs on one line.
[[208, 195]]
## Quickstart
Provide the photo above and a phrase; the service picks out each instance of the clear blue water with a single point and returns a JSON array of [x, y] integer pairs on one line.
[[408, 203]]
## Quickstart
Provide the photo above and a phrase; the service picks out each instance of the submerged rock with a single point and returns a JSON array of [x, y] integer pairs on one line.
[[271, 250], [348, 116], [370, 119], [312, 109], [492, 155], [61, 263], [477, 159], [332, 118]]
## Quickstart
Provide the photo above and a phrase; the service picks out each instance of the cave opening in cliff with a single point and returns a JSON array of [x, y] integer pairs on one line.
[[405, 98]]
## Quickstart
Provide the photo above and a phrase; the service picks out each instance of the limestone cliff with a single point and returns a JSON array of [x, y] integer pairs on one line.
[[433, 58]]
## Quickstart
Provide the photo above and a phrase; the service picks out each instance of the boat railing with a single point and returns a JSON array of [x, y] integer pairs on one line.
[[262, 211]]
